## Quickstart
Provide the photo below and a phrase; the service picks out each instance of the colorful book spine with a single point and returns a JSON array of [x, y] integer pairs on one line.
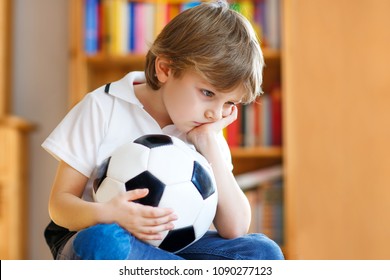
[[232, 132], [149, 28], [91, 26], [139, 27], [189, 5], [121, 27], [266, 117], [272, 19], [131, 24], [258, 123], [276, 103], [161, 17]]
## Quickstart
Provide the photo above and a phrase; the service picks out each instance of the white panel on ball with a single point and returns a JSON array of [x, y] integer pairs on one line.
[[170, 168], [186, 202], [108, 189], [128, 161]]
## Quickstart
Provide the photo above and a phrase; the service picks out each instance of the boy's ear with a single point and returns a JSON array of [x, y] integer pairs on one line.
[[162, 69]]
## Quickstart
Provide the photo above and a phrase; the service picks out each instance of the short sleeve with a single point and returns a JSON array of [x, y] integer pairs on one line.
[[77, 137]]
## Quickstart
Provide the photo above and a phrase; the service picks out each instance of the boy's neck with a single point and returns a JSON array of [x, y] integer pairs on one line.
[[153, 104]]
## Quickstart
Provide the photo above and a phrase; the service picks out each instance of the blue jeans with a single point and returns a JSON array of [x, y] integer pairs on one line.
[[112, 242]]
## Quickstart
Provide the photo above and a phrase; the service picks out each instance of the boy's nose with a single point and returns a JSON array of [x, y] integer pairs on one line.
[[213, 114]]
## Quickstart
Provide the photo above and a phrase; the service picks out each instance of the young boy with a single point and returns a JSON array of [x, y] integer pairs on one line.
[[204, 62]]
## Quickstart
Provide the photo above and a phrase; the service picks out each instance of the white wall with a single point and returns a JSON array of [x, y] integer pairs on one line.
[[40, 80]]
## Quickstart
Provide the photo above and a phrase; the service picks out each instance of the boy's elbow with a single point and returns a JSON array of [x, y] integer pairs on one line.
[[52, 214], [233, 231]]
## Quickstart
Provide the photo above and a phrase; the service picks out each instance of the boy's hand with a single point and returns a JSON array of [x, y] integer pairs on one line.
[[144, 222], [199, 136]]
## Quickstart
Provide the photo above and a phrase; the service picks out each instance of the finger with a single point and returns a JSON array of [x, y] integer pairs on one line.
[[148, 237], [136, 194], [155, 212], [155, 232], [160, 220], [233, 114], [227, 120]]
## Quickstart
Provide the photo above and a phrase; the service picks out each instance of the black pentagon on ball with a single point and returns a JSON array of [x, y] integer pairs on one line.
[[202, 180], [154, 140], [147, 180], [177, 239], [101, 173]]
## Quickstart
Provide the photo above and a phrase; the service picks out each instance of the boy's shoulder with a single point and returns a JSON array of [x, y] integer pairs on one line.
[[124, 88]]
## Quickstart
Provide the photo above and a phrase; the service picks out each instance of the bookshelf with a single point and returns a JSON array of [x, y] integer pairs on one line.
[[92, 67], [14, 133]]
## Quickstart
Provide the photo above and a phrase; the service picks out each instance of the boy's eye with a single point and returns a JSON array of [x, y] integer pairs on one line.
[[230, 103], [207, 93]]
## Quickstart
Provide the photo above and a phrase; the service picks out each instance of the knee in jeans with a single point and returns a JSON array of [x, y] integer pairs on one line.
[[266, 249], [102, 242]]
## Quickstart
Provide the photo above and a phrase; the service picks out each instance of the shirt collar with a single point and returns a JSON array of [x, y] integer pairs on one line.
[[124, 88]]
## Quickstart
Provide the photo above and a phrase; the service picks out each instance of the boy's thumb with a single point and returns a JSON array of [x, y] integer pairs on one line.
[[137, 194]]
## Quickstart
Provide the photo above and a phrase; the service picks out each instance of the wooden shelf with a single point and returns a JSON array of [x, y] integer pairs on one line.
[[103, 60], [249, 159], [257, 152], [17, 123], [271, 56]]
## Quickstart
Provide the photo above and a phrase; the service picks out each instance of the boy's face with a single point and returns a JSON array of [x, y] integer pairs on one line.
[[190, 101]]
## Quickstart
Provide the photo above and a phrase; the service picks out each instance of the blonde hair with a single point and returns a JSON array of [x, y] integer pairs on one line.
[[217, 42]]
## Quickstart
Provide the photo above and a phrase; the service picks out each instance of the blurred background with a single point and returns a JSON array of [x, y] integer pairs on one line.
[[39, 89], [330, 68]]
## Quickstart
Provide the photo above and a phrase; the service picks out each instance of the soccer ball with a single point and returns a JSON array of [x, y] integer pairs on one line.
[[177, 177]]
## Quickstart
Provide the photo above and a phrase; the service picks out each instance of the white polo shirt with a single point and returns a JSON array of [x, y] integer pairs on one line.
[[102, 121]]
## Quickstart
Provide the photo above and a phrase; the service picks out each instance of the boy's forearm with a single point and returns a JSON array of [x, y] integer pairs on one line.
[[75, 214], [66, 208], [233, 213]]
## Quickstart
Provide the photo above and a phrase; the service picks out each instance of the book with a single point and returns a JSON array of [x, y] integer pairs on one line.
[[161, 17], [189, 5], [91, 44], [276, 111], [272, 22], [266, 119], [149, 27], [131, 26], [173, 10], [108, 25], [121, 27], [139, 28], [251, 179], [232, 132]]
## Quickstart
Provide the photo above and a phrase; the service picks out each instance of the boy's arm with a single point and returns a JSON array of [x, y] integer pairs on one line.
[[66, 208], [233, 211]]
